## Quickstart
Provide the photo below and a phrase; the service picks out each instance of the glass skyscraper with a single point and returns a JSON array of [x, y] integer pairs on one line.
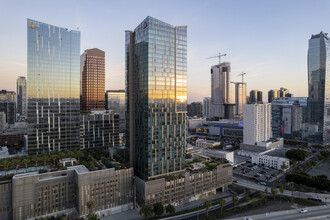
[[53, 72], [21, 96], [319, 88], [156, 100]]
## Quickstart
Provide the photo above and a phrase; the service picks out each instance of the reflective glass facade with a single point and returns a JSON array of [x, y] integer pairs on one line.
[[156, 100], [319, 88], [53, 72], [21, 96], [115, 101], [92, 69]]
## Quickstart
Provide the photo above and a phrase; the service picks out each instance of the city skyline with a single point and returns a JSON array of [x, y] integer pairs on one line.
[[275, 60]]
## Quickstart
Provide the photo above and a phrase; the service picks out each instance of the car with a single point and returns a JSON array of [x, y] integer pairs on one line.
[[303, 211], [248, 218], [262, 183]]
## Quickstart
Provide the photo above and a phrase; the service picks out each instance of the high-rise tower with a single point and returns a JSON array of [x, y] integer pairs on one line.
[[319, 88], [156, 98], [92, 69], [21, 96], [53, 88]]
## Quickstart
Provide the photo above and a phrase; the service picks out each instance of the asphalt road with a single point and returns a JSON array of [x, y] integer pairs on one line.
[[318, 212], [254, 186]]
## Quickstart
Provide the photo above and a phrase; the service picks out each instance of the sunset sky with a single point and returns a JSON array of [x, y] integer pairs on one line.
[[266, 39]]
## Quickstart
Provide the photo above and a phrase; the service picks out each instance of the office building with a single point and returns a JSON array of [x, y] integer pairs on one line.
[[8, 96], [115, 101], [283, 92], [21, 91], [92, 89], [66, 192], [206, 107], [99, 129], [255, 97], [221, 92], [9, 109], [156, 92], [279, 163], [53, 87], [318, 88], [288, 117], [3, 121], [257, 123], [195, 109], [240, 98]]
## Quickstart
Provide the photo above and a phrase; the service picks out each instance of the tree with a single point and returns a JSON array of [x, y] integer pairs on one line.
[[208, 205], [292, 188], [247, 199], [146, 211], [296, 154], [235, 199], [54, 158], [35, 159], [26, 162], [170, 209], [90, 206], [16, 163], [45, 158], [274, 191], [266, 190], [261, 196], [222, 204], [92, 216], [158, 208]]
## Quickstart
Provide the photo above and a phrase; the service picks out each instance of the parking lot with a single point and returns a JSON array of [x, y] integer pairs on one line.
[[260, 174]]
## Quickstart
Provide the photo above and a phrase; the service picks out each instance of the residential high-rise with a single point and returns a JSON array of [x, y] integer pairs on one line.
[[319, 88], [9, 96], [240, 98], [206, 107], [257, 123], [156, 95], [220, 89], [21, 91], [283, 92], [273, 94], [255, 96], [9, 108], [115, 101], [195, 109], [54, 87], [92, 69]]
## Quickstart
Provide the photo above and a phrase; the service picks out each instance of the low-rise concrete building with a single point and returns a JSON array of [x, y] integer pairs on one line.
[[279, 163], [214, 153], [206, 143], [33, 195], [184, 188]]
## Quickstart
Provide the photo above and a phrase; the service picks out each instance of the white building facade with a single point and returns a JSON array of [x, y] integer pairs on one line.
[[279, 163], [257, 123]]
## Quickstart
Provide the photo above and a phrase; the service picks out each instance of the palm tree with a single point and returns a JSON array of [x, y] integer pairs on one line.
[[16, 163], [247, 199], [292, 188], [222, 204], [146, 211], [35, 159], [266, 190], [235, 199], [90, 206], [208, 205], [261, 196], [54, 157], [45, 158], [26, 162], [274, 191], [281, 187], [5, 164]]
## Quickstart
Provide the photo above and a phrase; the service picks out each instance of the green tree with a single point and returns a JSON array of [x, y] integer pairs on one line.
[[44, 158], [266, 190], [261, 196], [222, 204], [146, 211], [246, 199], [292, 189], [235, 199], [54, 158], [26, 162], [208, 205], [90, 206], [36, 160], [274, 191], [158, 208], [296, 154], [92, 216], [16, 163], [170, 209], [281, 188]]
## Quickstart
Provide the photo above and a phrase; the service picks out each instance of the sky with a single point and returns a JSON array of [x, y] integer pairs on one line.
[[267, 39]]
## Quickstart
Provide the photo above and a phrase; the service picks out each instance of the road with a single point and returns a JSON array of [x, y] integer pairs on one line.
[[254, 186], [315, 212]]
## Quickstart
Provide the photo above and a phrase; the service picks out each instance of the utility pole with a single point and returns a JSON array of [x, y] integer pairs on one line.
[[219, 56]]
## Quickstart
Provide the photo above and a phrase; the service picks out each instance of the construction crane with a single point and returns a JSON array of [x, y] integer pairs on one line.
[[219, 56], [242, 74]]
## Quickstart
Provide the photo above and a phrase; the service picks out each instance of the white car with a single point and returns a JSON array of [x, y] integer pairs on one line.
[[303, 211], [247, 218]]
